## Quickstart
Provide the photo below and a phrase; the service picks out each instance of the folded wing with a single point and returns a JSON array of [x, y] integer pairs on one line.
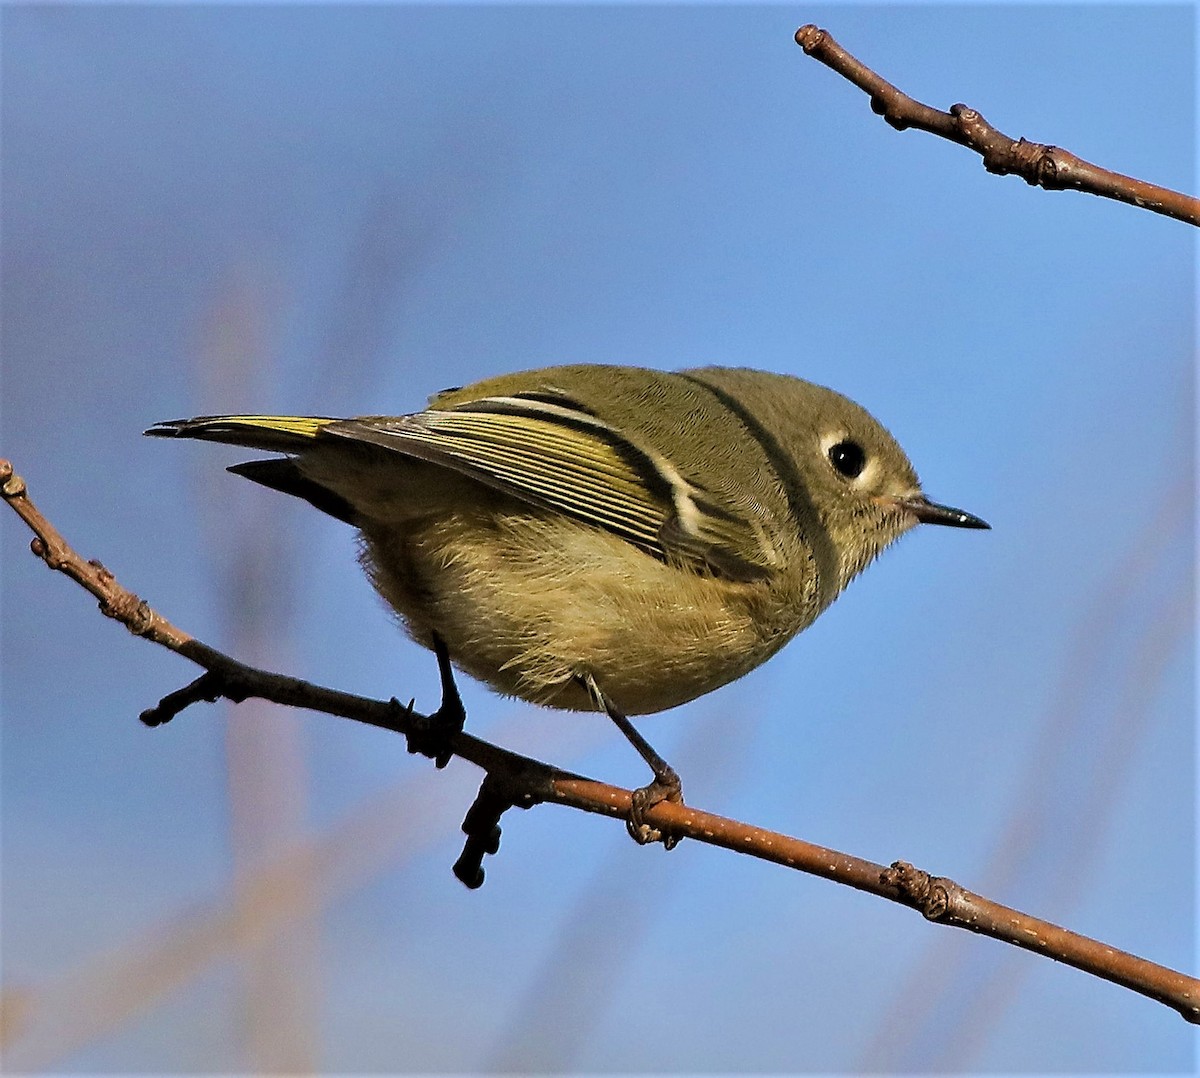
[[550, 452]]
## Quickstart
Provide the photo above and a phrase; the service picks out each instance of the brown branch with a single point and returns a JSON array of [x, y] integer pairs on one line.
[[515, 780], [1050, 167]]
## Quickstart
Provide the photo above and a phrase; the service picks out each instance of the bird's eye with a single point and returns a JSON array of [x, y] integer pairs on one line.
[[848, 458]]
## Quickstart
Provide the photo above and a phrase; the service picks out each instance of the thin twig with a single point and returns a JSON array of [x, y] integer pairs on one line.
[[515, 780], [1040, 165]]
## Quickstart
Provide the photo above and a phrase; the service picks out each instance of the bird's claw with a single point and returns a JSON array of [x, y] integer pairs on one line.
[[666, 787], [434, 734]]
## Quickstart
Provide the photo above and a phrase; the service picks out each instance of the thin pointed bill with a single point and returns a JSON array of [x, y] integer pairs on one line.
[[928, 512]]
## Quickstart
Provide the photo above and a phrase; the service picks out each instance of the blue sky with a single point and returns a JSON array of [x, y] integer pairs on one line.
[[344, 209]]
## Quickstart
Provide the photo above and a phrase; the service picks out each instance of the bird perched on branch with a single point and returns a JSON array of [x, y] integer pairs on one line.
[[597, 537]]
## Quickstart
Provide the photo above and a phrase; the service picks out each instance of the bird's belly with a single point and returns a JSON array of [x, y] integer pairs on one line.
[[530, 606]]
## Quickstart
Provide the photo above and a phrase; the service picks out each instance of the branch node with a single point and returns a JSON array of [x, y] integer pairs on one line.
[[809, 37], [54, 557], [497, 794], [1038, 164], [122, 605], [879, 106], [11, 485], [917, 888], [208, 688]]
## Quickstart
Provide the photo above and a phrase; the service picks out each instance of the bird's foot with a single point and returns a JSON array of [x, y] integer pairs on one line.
[[665, 787], [433, 735]]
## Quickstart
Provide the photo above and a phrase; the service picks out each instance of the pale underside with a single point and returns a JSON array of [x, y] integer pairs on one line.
[[530, 612]]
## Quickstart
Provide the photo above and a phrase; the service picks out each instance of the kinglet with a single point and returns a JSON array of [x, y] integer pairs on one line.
[[592, 537]]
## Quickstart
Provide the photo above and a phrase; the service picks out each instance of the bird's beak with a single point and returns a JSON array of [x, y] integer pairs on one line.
[[928, 512]]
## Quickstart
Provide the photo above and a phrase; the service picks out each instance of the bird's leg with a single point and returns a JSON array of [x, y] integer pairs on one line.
[[432, 738], [665, 787]]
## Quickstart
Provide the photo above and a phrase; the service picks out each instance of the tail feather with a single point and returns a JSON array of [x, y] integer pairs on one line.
[[277, 433], [283, 474]]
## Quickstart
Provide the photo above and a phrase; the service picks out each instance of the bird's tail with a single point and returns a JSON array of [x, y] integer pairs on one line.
[[278, 433]]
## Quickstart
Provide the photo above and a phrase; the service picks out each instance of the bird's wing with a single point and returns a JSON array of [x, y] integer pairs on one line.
[[551, 452]]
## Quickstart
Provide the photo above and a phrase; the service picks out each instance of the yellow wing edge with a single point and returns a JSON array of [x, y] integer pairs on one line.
[[274, 432]]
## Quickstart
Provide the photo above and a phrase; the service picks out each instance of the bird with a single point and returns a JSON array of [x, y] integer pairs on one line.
[[601, 537]]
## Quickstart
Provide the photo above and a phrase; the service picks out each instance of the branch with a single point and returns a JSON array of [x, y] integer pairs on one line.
[[515, 780], [1050, 167]]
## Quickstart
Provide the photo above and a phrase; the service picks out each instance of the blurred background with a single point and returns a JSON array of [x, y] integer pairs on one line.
[[341, 210]]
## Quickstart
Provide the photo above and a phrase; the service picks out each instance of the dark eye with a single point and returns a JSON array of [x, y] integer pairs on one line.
[[848, 458]]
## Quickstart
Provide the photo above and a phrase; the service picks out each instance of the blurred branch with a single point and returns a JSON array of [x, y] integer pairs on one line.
[[266, 767], [45, 1023], [1039, 165], [582, 968], [514, 780], [1098, 717]]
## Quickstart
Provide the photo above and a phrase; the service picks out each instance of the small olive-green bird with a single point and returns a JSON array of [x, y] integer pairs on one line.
[[590, 536]]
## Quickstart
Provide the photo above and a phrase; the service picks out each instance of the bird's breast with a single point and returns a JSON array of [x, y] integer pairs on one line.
[[529, 603]]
